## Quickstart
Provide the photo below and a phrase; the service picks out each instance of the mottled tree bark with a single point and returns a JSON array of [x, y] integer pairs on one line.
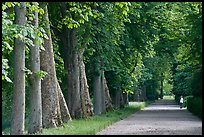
[[102, 100], [35, 121], [71, 64], [18, 110], [63, 106], [74, 98], [78, 97], [51, 93], [84, 89], [108, 100]]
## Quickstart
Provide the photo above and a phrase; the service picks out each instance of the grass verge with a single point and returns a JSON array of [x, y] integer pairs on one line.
[[94, 124]]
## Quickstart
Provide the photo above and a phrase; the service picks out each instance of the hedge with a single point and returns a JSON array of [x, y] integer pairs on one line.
[[194, 105]]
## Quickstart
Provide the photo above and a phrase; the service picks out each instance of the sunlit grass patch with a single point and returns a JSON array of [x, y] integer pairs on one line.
[[168, 97], [91, 125]]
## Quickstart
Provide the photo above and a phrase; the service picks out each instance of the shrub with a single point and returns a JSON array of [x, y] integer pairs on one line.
[[194, 105]]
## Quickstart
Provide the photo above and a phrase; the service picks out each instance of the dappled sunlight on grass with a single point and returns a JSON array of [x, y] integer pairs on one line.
[[94, 124], [169, 97]]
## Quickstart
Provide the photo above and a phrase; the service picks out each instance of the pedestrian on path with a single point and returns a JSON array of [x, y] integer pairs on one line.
[[181, 102]]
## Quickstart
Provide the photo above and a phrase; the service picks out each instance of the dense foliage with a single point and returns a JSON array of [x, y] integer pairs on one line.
[[156, 46], [194, 105]]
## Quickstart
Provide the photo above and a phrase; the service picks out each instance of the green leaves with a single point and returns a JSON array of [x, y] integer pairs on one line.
[[7, 45], [5, 66], [189, 54], [26, 33], [41, 74], [9, 5], [78, 14], [70, 23], [160, 32], [27, 71]]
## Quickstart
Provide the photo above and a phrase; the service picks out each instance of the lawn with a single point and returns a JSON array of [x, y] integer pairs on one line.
[[92, 125]]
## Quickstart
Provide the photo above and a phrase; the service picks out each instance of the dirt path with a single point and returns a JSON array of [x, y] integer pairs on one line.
[[164, 117]]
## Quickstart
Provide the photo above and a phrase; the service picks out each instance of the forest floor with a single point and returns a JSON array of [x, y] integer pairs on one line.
[[164, 117]]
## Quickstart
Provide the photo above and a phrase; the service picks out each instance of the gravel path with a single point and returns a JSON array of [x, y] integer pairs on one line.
[[164, 117]]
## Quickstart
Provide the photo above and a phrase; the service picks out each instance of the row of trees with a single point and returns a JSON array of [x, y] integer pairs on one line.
[[70, 60]]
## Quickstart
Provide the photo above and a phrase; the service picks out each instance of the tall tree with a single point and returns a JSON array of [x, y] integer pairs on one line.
[[74, 98], [78, 97], [86, 103], [51, 92], [98, 92], [108, 100], [87, 106], [107, 30], [35, 123], [18, 113]]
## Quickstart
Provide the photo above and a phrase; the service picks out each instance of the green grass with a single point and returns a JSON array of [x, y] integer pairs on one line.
[[168, 97], [92, 125]]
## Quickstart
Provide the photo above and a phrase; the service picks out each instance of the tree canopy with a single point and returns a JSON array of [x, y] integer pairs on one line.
[[124, 47]]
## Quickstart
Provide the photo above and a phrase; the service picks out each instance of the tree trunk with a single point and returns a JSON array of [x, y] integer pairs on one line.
[[103, 98], [78, 98], [135, 95], [63, 106], [117, 99], [122, 104], [125, 98], [97, 89], [35, 123], [108, 100], [51, 93], [144, 96], [72, 66], [74, 99], [161, 89], [18, 110], [84, 89]]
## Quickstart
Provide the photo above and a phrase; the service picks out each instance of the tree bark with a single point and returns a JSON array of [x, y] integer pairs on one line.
[[72, 64], [63, 106], [78, 98], [18, 110], [122, 104], [51, 92], [161, 89], [74, 98], [35, 122], [97, 89], [103, 98], [125, 98], [117, 99], [84, 89], [108, 100], [143, 90]]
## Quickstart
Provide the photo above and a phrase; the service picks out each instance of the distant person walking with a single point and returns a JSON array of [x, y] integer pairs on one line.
[[181, 102]]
